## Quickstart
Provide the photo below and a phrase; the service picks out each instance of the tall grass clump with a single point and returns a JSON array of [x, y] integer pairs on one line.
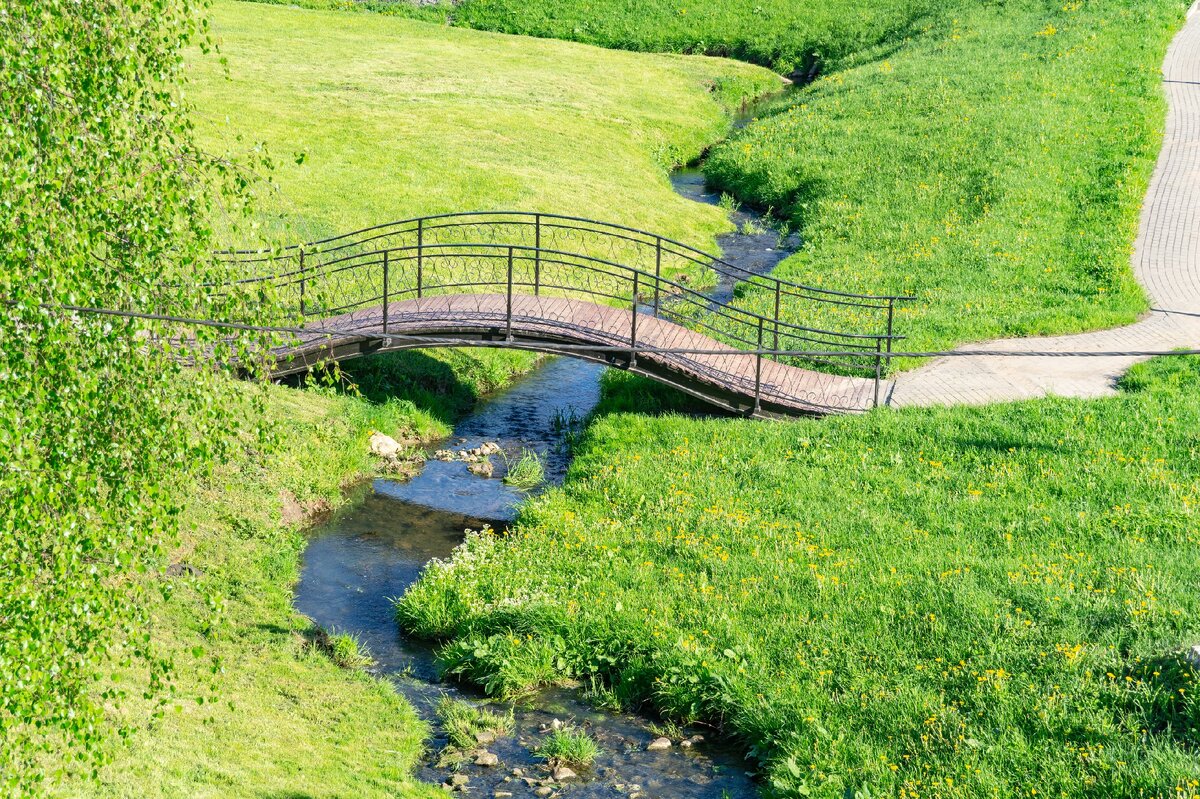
[[526, 472], [464, 723], [568, 746]]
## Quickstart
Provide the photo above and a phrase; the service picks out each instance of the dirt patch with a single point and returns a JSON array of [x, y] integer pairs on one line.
[[294, 512]]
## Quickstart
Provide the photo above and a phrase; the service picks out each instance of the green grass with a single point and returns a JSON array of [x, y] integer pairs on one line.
[[988, 158], [1010, 149], [782, 34], [568, 746], [398, 118], [463, 722], [346, 651], [938, 603], [526, 472], [280, 716], [445, 383]]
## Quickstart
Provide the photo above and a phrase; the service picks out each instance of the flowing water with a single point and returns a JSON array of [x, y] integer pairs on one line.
[[360, 560]]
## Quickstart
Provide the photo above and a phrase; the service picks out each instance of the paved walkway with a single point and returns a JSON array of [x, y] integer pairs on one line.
[[1166, 261]]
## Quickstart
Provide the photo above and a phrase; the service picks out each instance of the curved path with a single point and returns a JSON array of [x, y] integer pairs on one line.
[[1166, 260], [723, 376]]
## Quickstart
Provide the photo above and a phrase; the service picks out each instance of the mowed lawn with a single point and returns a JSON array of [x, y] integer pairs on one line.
[[988, 158], [979, 602], [397, 118]]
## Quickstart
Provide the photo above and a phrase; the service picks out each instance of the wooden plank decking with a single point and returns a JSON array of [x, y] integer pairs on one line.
[[726, 377]]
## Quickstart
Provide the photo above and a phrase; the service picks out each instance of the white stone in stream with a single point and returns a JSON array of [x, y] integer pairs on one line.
[[486, 758], [659, 744], [543, 791], [1193, 655], [459, 780], [502, 795], [384, 446], [485, 737], [489, 448], [562, 774]]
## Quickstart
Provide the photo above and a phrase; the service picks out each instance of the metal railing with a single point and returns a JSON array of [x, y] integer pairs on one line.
[[372, 275]]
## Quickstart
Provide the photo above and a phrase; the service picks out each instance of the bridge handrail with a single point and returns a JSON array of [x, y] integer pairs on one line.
[[718, 264], [465, 249]]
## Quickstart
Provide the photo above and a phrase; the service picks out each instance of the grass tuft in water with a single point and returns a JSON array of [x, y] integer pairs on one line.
[[569, 746], [344, 649], [465, 722], [527, 472]]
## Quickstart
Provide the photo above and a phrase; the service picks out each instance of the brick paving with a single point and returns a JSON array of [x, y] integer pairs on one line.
[[1166, 260]]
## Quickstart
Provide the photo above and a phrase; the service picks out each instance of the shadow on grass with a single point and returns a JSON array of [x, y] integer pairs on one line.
[[414, 376], [622, 392], [1164, 698]]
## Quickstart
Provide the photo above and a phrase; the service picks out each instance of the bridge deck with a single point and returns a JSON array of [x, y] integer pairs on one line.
[[726, 376]]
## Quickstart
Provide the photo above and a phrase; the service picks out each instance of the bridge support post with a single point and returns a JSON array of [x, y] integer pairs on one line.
[[508, 314], [537, 255], [778, 291], [758, 369], [878, 369], [302, 281], [633, 324], [420, 254], [385, 292], [657, 271]]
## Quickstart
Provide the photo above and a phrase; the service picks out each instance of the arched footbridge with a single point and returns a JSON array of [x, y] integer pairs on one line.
[[747, 343]]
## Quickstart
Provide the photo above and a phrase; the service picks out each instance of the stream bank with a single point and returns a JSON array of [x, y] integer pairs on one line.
[[360, 560]]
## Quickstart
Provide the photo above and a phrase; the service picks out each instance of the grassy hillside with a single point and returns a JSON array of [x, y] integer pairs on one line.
[[398, 118], [935, 603], [989, 158], [784, 35], [281, 718], [1009, 148]]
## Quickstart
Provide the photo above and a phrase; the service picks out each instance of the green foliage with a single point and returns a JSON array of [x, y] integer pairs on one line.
[[1047, 119], [568, 746], [527, 472], [243, 530], [785, 36], [954, 602], [462, 721], [346, 651], [105, 198]]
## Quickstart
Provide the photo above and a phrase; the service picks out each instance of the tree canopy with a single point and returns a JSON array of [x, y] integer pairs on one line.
[[105, 201]]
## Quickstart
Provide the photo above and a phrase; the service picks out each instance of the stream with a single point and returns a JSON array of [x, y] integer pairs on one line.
[[362, 558]]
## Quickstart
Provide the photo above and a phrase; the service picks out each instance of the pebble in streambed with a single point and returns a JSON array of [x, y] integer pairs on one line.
[[365, 556]]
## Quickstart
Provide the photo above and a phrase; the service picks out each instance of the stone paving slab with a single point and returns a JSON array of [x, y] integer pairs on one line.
[[1166, 260]]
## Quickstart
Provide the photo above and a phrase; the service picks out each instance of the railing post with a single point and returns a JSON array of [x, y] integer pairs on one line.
[[509, 314], [302, 280], [758, 369], [633, 323], [657, 271], [420, 254], [878, 368], [891, 314], [778, 291], [537, 255], [385, 292]]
